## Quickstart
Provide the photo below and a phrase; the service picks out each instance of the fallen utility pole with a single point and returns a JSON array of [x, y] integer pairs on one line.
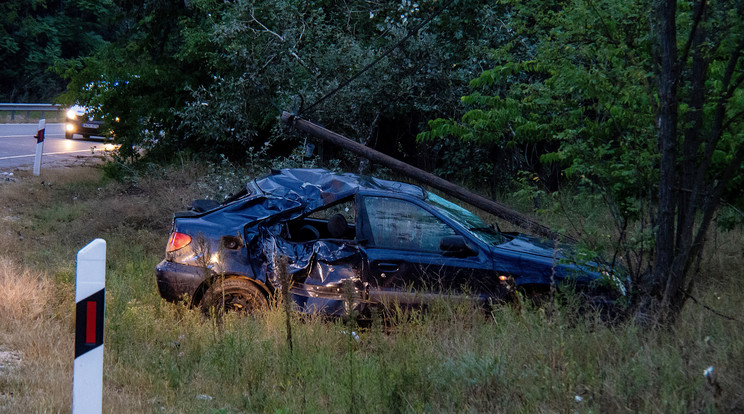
[[454, 190]]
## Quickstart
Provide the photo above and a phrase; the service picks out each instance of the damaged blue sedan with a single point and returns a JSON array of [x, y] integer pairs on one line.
[[347, 240]]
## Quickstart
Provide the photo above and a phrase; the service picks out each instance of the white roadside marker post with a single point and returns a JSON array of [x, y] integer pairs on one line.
[[87, 378], [39, 146]]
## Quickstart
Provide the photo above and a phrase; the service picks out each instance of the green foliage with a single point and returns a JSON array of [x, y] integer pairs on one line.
[[212, 76], [579, 87], [574, 88], [37, 35], [138, 77]]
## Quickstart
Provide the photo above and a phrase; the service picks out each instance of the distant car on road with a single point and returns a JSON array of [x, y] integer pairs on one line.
[[80, 122], [388, 242]]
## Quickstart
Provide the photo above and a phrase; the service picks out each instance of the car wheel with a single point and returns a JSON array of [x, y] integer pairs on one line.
[[68, 135], [86, 136], [537, 296], [233, 295]]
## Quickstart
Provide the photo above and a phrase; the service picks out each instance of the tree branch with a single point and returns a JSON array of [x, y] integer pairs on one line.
[[717, 128], [732, 88], [730, 71], [699, 8], [687, 202], [712, 202], [733, 118], [731, 318], [266, 29], [610, 37]]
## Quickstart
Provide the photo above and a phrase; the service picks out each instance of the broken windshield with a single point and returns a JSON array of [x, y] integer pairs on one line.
[[466, 218]]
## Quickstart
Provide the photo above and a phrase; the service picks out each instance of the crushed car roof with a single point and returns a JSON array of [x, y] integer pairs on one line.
[[318, 187]]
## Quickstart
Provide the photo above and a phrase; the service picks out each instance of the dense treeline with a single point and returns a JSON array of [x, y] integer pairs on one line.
[[648, 117], [633, 104], [37, 35], [211, 76]]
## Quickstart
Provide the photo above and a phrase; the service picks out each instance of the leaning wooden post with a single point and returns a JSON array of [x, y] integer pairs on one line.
[[39, 146], [454, 190]]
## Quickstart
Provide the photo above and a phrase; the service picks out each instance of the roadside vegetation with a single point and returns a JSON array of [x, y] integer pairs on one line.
[[617, 122], [167, 358], [636, 105]]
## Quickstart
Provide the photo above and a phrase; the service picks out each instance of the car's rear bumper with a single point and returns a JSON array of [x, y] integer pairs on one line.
[[176, 280]]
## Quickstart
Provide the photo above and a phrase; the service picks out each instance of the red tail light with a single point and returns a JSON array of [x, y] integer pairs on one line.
[[177, 241]]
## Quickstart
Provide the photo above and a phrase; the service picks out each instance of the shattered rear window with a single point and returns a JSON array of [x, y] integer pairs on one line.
[[346, 209]]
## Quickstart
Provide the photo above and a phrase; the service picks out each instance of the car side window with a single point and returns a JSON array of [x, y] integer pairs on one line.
[[399, 224], [334, 222], [346, 209]]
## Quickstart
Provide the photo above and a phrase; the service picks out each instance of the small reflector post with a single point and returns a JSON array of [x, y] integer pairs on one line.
[[39, 146], [90, 295], [90, 328]]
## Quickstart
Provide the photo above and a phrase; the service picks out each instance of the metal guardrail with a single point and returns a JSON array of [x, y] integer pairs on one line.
[[28, 107]]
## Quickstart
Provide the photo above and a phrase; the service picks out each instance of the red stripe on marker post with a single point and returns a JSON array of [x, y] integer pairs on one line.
[[87, 379], [90, 323]]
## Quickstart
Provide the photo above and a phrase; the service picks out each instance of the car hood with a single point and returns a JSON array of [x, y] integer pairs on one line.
[[526, 244], [541, 258]]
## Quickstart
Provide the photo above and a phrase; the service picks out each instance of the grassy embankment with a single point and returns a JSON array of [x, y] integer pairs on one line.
[[165, 357]]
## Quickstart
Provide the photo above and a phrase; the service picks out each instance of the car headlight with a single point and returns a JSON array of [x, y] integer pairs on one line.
[[615, 281], [70, 114]]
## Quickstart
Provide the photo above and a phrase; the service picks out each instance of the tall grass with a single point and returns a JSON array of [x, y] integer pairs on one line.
[[163, 357]]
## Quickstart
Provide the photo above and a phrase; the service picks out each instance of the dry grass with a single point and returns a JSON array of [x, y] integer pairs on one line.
[[24, 294], [39, 339], [43, 222], [166, 358]]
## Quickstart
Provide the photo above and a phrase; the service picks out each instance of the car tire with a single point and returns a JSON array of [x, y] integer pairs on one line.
[[86, 136], [233, 295], [537, 296], [68, 135]]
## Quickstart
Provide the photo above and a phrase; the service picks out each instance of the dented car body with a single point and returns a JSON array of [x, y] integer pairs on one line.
[[355, 240]]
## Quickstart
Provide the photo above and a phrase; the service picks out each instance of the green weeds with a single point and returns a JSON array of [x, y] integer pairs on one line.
[[453, 358]]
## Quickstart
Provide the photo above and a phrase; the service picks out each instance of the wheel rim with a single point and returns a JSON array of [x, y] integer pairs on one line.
[[240, 302]]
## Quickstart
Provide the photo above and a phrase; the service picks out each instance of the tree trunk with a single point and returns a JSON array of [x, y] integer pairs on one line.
[[688, 196], [667, 138]]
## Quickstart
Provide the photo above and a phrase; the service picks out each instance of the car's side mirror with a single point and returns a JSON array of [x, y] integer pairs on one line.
[[456, 246]]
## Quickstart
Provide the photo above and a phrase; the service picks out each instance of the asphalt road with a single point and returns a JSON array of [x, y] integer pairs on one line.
[[18, 146]]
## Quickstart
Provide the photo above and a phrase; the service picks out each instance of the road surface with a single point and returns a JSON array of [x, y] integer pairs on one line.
[[18, 146]]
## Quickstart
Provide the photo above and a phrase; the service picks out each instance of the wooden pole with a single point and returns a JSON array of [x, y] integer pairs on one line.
[[454, 190]]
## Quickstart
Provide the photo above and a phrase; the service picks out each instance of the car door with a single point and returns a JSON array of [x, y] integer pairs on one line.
[[403, 259]]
